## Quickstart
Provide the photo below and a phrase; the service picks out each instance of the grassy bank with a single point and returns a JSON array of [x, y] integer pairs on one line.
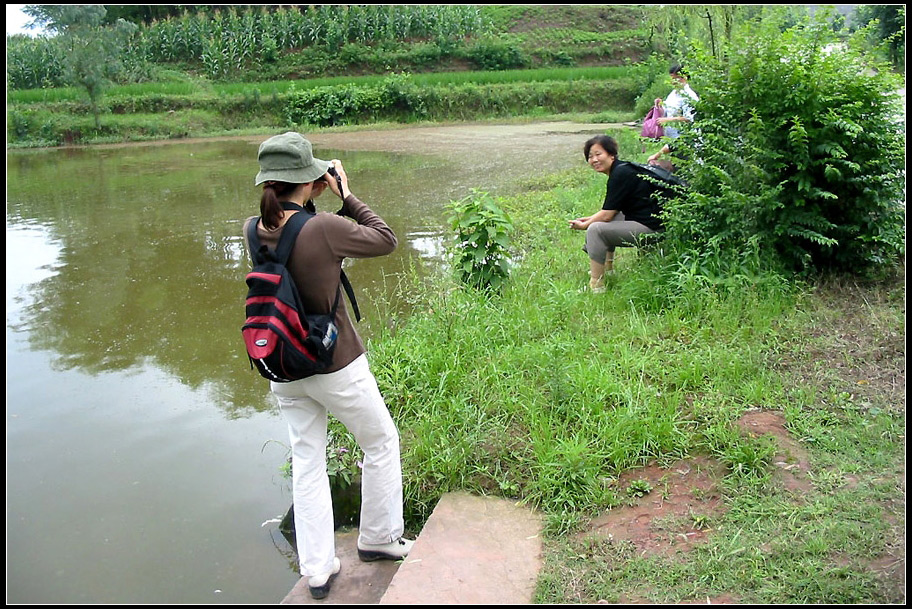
[[565, 399], [194, 109]]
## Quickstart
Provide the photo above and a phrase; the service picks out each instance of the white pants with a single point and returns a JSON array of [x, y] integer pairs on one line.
[[352, 396]]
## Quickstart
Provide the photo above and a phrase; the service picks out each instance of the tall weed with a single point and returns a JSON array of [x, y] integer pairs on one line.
[[482, 248]]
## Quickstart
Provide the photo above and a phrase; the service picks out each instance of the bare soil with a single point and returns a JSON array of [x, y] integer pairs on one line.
[[488, 140]]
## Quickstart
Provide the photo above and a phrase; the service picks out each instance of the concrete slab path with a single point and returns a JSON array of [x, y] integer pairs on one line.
[[472, 550]]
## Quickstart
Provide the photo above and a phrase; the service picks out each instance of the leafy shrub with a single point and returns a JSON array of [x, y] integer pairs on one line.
[[483, 232], [493, 54], [401, 96], [798, 149], [333, 105], [17, 125], [348, 103], [38, 127]]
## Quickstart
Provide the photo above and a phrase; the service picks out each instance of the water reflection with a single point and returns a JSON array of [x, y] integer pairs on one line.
[[429, 245], [150, 261], [31, 255]]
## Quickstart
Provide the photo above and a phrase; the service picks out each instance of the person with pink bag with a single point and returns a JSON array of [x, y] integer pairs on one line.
[[679, 108]]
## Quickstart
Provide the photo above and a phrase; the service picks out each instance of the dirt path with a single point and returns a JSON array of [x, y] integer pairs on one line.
[[486, 138]]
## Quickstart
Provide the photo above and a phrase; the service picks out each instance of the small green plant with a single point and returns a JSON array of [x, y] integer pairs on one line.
[[285, 468], [483, 233], [639, 488], [699, 521], [343, 464]]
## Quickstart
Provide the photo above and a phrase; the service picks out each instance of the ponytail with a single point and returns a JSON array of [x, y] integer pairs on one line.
[[270, 205]]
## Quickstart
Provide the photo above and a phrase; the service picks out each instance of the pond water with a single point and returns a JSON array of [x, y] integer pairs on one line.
[[143, 454]]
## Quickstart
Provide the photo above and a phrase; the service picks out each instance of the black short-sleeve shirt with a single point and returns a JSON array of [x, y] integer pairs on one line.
[[630, 193]]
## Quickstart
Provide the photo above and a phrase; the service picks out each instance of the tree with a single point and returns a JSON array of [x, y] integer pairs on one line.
[[91, 51], [710, 25], [890, 29]]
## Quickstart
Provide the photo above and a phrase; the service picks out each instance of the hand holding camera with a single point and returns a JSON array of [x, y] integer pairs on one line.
[[336, 179]]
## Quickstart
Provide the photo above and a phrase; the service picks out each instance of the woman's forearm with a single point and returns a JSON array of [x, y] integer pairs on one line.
[[602, 215]]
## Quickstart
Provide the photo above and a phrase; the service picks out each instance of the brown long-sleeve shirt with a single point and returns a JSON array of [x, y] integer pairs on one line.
[[316, 263]]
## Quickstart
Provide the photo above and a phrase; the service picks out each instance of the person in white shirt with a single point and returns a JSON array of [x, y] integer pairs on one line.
[[678, 107]]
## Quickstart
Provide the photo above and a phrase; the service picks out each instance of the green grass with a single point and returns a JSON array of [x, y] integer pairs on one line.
[[546, 394], [582, 387]]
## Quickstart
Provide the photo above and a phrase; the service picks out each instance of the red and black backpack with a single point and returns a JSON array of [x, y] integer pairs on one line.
[[283, 341]]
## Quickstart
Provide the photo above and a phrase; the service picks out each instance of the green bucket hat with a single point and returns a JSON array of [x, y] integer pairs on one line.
[[289, 158]]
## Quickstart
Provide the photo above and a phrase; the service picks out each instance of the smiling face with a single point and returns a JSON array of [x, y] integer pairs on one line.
[[599, 159]]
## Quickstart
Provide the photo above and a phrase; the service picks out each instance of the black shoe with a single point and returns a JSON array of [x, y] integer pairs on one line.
[[319, 584]]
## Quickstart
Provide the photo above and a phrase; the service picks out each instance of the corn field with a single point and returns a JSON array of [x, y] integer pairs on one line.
[[226, 40], [33, 63]]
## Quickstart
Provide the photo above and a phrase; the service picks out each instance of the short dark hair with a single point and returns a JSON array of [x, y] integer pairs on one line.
[[605, 141]]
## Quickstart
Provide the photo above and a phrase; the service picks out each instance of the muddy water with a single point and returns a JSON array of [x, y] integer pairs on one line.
[[142, 453]]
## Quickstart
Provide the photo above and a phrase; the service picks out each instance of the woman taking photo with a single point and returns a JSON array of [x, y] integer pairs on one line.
[[292, 177]]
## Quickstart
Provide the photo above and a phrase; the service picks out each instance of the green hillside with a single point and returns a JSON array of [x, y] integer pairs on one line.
[[249, 68]]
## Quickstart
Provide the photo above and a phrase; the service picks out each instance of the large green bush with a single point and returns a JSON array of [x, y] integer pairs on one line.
[[496, 54], [350, 103], [798, 154]]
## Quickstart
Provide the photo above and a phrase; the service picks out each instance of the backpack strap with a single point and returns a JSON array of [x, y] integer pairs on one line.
[[286, 243], [290, 231], [657, 172], [351, 295], [261, 253]]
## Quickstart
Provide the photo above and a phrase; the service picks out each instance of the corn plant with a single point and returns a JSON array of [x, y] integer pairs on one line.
[[230, 39], [33, 63]]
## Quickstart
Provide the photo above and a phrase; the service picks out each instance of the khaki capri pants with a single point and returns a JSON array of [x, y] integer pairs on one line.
[[603, 237]]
